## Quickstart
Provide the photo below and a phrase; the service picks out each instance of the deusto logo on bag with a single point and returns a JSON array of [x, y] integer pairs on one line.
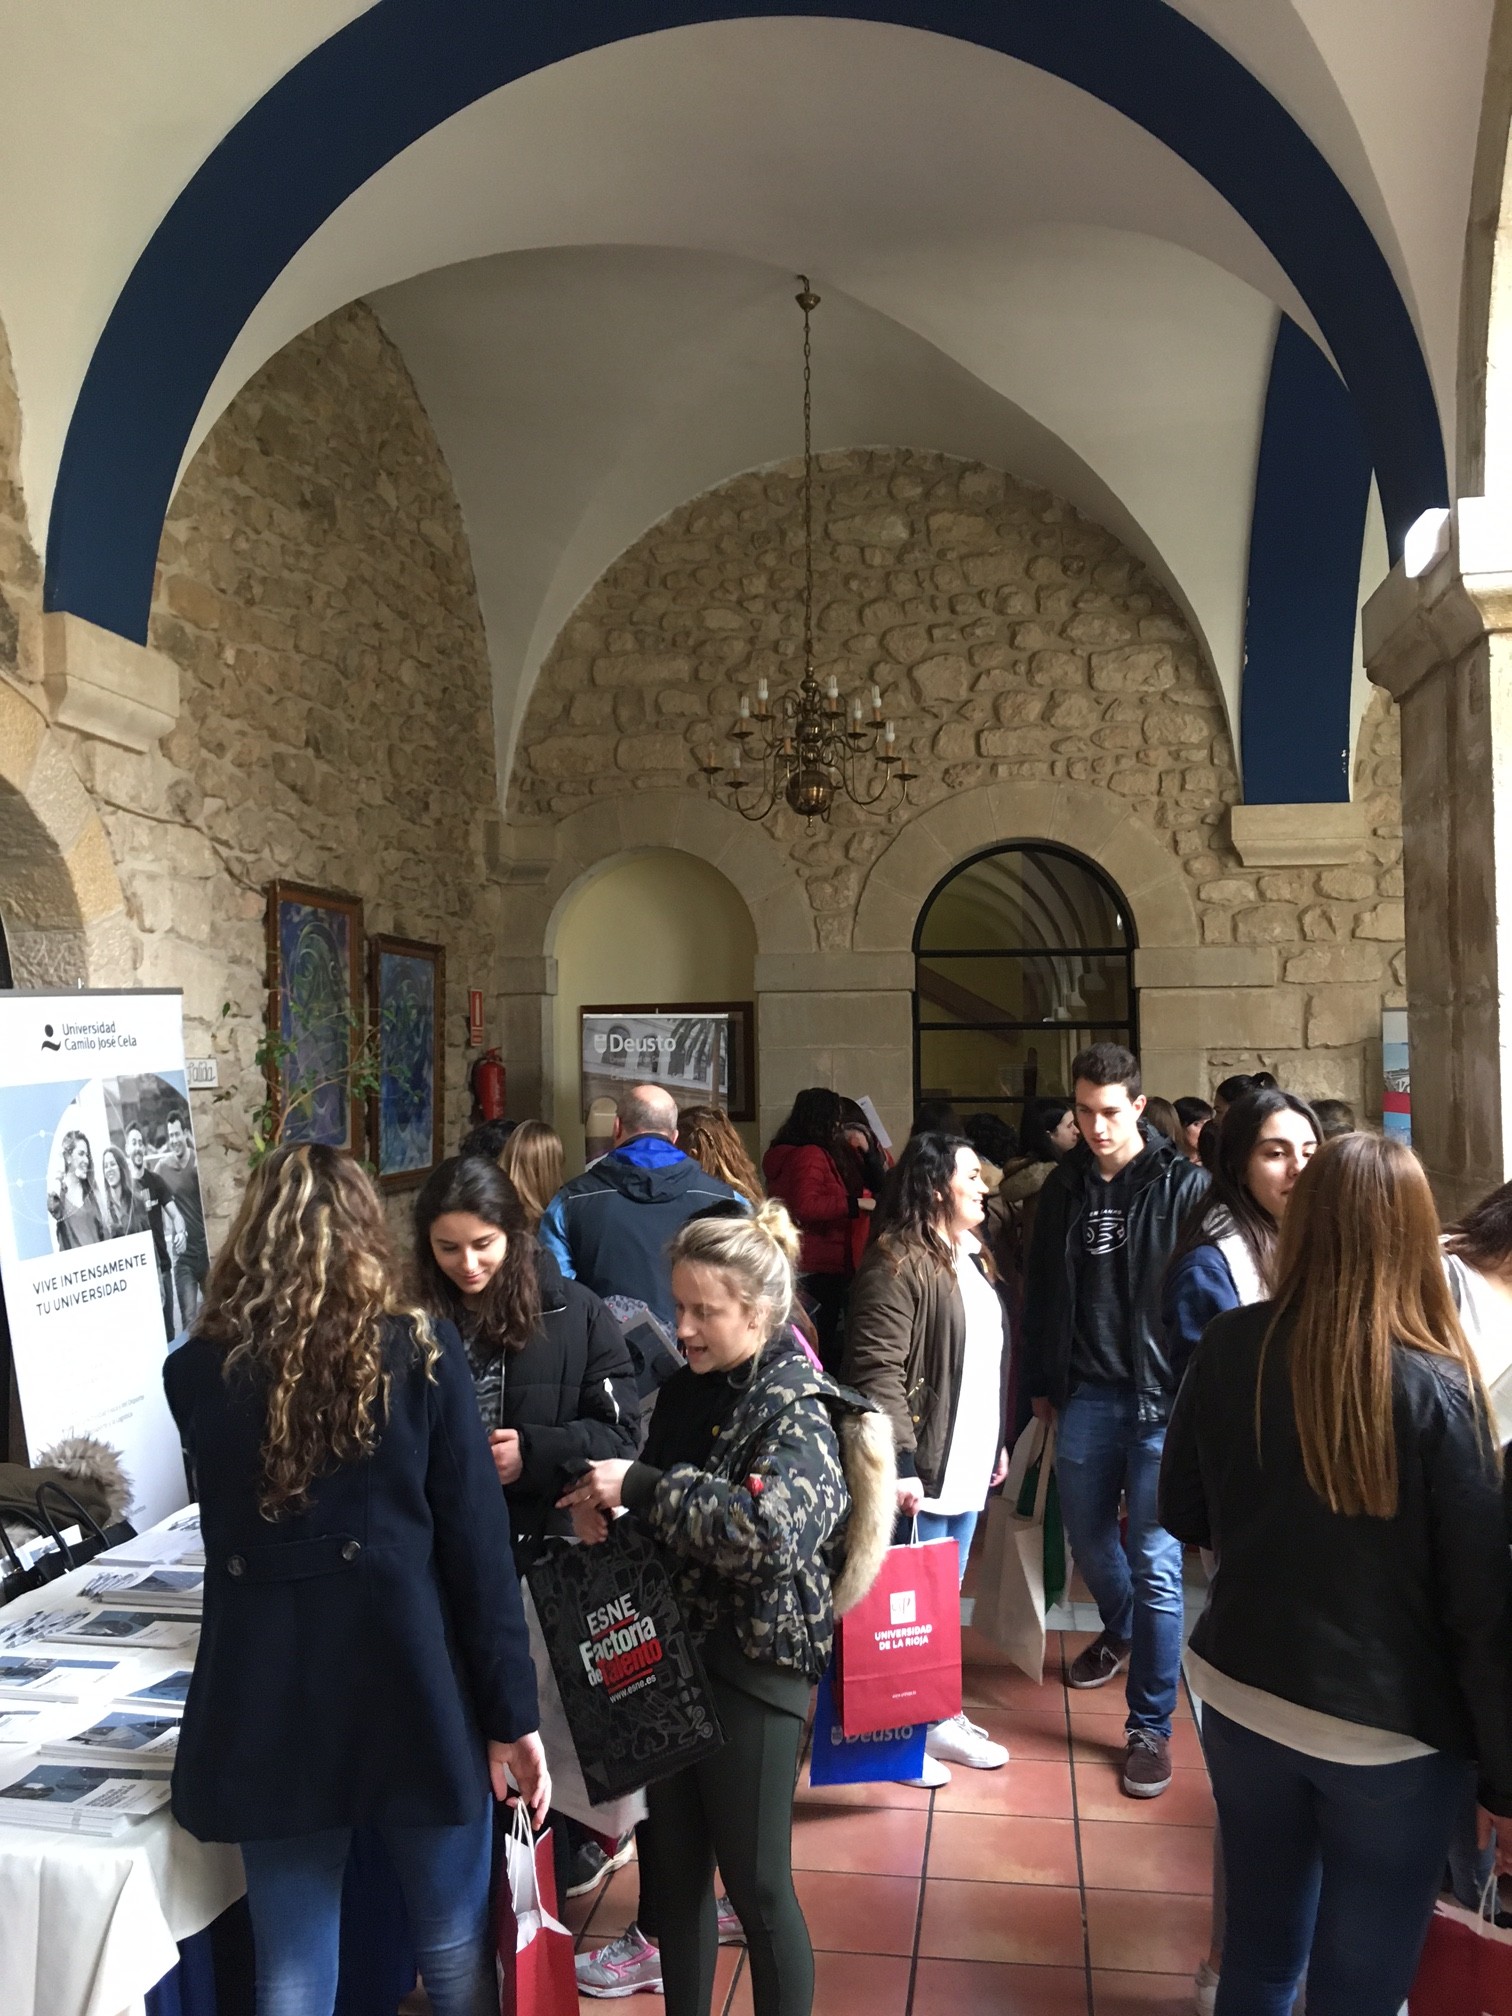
[[622, 1648]]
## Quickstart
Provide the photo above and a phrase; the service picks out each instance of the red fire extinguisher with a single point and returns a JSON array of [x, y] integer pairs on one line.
[[486, 1083]]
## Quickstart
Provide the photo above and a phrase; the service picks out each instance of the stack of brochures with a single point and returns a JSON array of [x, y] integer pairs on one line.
[[123, 1630], [124, 1736], [173, 1592], [81, 1798], [40, 1676], [20, 1725], [164, 1696]]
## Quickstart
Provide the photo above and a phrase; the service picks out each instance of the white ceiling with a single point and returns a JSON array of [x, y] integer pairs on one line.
[[588, 270]]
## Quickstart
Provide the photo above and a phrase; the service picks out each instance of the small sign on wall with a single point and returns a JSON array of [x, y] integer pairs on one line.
[[203, 1073]]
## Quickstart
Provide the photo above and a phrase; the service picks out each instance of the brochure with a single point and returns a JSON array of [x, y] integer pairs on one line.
[[124, 1628], [180, 1591], [177, 1543], [52, 1679], [20, 1725], [122, 1737], [161, 1697], [81, 1798], [33, 1625]]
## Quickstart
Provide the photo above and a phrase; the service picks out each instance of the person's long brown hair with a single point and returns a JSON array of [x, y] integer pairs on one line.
[[533, 1160], [508, 1312], [1359, 1274], [707, 1133], [300, 1295]]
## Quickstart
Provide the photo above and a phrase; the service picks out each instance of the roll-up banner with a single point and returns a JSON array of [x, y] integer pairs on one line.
[[103, 1252]]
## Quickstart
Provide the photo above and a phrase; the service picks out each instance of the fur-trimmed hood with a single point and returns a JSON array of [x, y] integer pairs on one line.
[[870, 1462]]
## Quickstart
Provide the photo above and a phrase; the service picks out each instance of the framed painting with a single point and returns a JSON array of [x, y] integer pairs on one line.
[[703, 1052], [315, 1012], [407, 995]]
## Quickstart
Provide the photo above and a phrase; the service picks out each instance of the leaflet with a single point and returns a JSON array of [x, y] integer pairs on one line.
[[165, 1696], [123, 1737], [52, 1679], [20, 1725], [81, 1798], [161, 1589], [126, 1628]]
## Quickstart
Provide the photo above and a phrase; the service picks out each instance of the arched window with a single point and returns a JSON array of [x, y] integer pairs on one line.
[[1022, 956]]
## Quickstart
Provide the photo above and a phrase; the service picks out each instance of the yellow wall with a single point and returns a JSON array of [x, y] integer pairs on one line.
[[655, 929]]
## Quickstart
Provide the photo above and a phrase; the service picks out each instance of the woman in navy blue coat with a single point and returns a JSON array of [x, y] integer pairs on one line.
[[364, 1659]]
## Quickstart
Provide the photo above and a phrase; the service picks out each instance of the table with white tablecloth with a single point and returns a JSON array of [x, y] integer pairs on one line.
[[89, 1925]]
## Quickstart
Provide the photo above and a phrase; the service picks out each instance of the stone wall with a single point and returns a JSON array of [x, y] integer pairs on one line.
[[315, 590], [1013, 640]]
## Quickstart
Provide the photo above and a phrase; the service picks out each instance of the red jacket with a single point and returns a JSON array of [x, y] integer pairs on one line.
[[824, 1211]]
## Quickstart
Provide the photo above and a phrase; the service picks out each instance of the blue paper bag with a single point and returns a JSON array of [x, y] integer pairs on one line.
[[880, 1758]]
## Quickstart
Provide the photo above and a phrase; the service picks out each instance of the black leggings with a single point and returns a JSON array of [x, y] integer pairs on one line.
[[737, 1808]]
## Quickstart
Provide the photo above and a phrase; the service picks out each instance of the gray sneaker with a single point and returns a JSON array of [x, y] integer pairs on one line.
[[629, 1965]]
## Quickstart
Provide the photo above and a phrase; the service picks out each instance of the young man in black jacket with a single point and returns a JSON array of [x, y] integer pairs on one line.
[[1096, 1362]]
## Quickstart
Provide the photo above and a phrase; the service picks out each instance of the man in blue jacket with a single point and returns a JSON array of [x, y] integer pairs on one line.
[[610, 1227]]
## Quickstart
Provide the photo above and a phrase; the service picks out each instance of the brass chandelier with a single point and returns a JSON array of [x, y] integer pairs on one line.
[[808, 748]]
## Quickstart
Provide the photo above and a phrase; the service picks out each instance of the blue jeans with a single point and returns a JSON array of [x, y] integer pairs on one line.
[[294, 1895], [1332, 1870], [1104, 1452]]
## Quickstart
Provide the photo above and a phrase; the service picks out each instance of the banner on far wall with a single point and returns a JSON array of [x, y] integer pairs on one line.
[[103, 1252]]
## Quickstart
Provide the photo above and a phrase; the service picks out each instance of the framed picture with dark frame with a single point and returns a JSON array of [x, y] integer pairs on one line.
[[315, 1009], [407, 1002], [703, 1052]]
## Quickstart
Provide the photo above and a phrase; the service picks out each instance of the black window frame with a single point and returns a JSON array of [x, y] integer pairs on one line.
[[1010, 1105]]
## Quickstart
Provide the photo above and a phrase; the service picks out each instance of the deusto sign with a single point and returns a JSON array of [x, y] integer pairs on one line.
[[103, 1250]]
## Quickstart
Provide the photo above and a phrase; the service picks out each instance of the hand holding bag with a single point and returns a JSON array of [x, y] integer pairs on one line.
[[1466, 1963], [535, 1968], [898, 1653], [1024, 1558]]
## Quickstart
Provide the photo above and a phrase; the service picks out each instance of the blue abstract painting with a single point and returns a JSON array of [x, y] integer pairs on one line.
[[315, 964], [407, 1008]]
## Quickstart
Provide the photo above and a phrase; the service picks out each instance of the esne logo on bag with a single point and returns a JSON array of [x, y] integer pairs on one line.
[[622, 1647]]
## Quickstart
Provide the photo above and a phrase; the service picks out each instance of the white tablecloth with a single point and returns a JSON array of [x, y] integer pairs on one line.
[[87, 1926]]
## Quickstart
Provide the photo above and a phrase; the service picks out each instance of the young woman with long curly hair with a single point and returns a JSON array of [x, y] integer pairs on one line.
[[364, 1659]]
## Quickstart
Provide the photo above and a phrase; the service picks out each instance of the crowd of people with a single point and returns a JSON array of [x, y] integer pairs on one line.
[[1240, 1321]]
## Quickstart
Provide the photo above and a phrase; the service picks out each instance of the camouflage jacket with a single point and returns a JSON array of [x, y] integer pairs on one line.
[[757, 1537]]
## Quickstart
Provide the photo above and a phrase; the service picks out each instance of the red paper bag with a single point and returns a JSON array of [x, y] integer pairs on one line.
[[535, 1970], [898, 1654], [1466, 1968]]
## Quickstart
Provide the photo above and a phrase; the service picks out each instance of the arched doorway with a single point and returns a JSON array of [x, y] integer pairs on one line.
[[1022, 955]]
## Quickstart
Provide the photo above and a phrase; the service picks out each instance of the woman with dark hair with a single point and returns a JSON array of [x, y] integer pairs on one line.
[[1224, 1255], [554, 1380], [1355, 1652], [364, 1658], [814, 1171], [926, 1340], [1194, 1115], [1046, 1134]]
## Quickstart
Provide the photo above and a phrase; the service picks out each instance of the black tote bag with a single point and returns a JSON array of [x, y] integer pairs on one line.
[[633, 1687]]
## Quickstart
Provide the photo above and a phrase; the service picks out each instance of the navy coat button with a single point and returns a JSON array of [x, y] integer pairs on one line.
[[235, 1565], [351, 1550]]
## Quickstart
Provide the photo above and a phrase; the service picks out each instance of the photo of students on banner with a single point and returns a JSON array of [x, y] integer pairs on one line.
[[123, 1161]]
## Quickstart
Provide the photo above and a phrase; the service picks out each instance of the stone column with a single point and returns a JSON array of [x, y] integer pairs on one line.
[[1438, 637]]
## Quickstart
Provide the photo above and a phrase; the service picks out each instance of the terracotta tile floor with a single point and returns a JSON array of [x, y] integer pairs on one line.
[[1038, 1890]]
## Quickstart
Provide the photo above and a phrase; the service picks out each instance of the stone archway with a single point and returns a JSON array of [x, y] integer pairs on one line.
[[65, 917]]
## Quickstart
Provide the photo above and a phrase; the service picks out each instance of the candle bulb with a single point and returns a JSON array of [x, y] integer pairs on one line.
[[856, 708], [761, 689], [891, 734], [834, 687], [876, 699], [745, 706]]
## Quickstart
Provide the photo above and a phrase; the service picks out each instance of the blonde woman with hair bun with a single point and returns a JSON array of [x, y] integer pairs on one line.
[[771, 1490], [364, 1659]]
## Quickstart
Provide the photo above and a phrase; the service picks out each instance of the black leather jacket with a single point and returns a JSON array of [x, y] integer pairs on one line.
[[1165, 1186], [1403, 1623]]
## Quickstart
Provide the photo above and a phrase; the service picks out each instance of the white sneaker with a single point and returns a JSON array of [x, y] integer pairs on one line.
[[961, 1742], [931, 1778], [1205, 1990]]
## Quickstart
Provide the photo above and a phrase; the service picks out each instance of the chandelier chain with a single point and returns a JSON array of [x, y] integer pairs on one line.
[[806, 301]]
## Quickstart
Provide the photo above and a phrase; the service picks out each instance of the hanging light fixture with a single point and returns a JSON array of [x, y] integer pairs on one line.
[[810, 747]]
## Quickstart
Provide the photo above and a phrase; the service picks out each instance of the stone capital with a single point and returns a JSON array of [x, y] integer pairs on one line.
[[106, 686], [1459, 592], [1299, 836]]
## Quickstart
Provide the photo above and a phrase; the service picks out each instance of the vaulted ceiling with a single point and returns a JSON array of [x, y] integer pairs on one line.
[[1069, 254]]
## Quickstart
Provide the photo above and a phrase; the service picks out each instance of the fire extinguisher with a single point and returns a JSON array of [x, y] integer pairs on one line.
[[486, 1083]]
